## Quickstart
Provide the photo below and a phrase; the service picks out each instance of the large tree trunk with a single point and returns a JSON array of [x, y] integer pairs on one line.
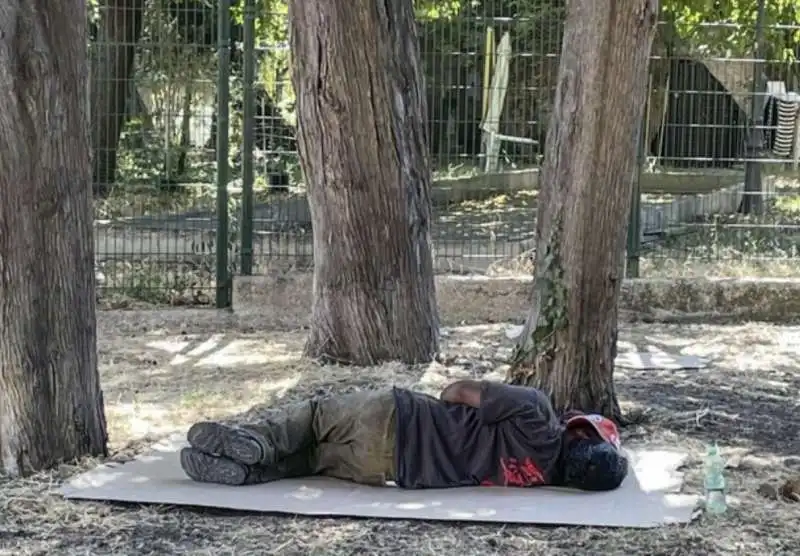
[[568, 345], [361, 138], [119, 29], [51, 406]]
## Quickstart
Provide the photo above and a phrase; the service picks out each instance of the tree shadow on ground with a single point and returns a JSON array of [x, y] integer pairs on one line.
[[753, 376], [158, 384], [746, 397]]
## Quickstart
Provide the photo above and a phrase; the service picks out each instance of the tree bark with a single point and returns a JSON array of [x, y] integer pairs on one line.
[[186, 131], [119, 30], [568, 345], [51, 406], [363, 146]]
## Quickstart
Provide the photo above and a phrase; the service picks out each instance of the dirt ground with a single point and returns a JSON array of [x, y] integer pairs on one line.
[[163, 371]]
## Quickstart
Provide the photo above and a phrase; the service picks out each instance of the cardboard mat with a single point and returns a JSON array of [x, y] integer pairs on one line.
[[647, 498]]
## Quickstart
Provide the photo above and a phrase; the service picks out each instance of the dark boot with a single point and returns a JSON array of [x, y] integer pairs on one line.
[[282, 433], [238, 444], [205, 468]]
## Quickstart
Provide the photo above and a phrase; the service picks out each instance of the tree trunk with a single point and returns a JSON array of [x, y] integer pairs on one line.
[[568, 344], [361, 139], [51, 406], [119, 30], [186, 131]]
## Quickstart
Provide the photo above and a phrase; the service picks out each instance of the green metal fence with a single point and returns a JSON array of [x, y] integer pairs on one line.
[[197, 176], [159, 133]]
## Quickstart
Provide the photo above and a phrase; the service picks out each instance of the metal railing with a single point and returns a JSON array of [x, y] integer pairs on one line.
[[197, 178]]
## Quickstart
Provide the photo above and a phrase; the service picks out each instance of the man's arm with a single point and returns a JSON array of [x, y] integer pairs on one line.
[[464, 392], [495, 400]]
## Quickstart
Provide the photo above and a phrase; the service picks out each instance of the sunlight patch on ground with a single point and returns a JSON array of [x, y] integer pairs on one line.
[[222, 401], [186, 378], [247, 352], [132, 420], [212, 353]]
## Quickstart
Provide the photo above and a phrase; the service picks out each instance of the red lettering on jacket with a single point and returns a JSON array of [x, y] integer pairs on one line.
[[517, 473]]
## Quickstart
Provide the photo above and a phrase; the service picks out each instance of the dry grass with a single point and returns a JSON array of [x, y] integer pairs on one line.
[[165, 370]]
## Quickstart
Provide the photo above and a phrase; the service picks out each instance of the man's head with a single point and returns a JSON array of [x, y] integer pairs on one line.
[[593, 459]]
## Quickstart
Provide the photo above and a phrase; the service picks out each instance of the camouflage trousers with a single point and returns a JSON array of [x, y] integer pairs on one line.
[[351, 437]]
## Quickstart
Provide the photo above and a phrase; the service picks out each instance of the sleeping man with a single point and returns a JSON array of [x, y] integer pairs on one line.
[[475, 433]]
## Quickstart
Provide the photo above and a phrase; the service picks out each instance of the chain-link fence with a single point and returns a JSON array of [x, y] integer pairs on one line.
[[722, 118], [154, 120], [193, 128]]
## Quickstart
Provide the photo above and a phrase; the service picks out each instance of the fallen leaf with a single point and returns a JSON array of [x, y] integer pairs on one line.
[[791, 490], [768, 491]]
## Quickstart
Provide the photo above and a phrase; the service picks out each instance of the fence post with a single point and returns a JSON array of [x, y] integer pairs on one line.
[[248, 114], [223, 116], [753, 200], [635, 217]]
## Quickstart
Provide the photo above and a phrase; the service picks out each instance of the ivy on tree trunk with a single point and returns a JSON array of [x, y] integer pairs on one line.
[[568, 344]]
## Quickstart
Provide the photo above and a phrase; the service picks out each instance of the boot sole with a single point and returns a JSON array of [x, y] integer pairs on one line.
[[204, 468], [220, 440]]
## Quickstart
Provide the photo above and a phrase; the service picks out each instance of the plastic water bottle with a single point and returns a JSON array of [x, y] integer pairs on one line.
[[714, 468]]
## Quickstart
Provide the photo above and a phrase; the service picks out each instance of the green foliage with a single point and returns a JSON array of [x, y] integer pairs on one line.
[[272, 37], [438, 10], [552, 295], [720, 27], [706, 26]]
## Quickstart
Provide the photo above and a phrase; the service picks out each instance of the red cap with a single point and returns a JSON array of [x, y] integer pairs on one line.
[[605, 427]]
